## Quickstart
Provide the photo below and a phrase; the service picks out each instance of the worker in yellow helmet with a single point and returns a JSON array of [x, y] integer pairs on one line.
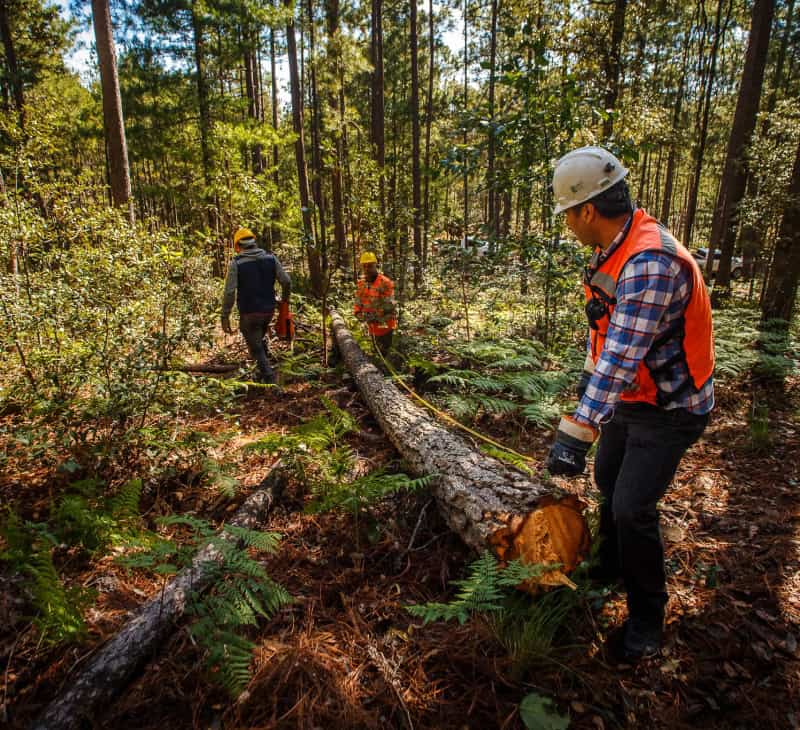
[[251, 281], [375, 303]]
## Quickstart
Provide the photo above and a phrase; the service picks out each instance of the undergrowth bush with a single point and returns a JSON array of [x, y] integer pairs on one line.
[[91, 322]]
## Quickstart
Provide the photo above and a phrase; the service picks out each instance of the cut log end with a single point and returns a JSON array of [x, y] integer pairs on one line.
[[555, 532]]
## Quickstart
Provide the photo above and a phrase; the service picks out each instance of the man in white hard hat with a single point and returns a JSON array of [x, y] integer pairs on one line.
[[647, 386]]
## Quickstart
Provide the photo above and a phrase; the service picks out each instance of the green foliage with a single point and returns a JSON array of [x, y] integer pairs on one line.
[[508, 378], [240, 590], [364, 491], [746, 345], [539, 713], [219, 477], [57, 609], [484, 590]]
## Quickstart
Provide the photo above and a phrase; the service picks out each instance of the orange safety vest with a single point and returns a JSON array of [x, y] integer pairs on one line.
[[694, 329], [372, 299]]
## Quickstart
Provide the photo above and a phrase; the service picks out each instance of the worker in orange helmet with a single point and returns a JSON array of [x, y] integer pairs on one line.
[[375, 303], [251, 279]]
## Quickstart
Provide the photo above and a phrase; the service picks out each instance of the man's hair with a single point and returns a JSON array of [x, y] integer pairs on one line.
[[614, 202]]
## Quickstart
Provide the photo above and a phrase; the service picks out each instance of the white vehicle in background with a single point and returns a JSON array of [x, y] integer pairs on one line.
[[481, 248], [737, 265]]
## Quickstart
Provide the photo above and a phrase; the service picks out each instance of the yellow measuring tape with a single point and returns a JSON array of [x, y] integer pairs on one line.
[[445, 416]]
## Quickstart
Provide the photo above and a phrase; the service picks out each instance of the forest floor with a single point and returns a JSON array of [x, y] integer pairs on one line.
[[347, 654]]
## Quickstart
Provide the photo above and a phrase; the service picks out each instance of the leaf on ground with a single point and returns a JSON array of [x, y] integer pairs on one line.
[[538, 713]]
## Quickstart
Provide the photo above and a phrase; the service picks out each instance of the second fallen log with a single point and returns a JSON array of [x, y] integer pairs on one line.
[[489, 504]]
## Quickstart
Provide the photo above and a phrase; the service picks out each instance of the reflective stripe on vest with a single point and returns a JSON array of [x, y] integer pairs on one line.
[[693, 330]]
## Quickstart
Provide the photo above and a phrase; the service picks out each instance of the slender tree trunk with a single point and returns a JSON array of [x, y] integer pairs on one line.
[[415, 133], [491, 182], [699, 152], [466, 159], [312, 253], [378, 133], [202, 94], [316, 141], [112, 108], [672, 158], [276, 231], [426, 218], [337, 107], [12, 68], [752, 238], [251, 86], [614, 65], [780, 294], [735, 175]]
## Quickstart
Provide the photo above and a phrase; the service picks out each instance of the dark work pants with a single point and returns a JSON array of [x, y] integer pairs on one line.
[[254, 328], [638, 453], [384, 342]]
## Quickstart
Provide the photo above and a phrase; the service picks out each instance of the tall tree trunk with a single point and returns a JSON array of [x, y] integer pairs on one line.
[[614, 65], [672, 158], [752, 238], [337, 107], [276, 231], [378, 133], [316, 141], [491, 182], [702, 137], [312, 253], [466, 98], [426, 216], [734, 177], [253, 112], [112, 108], [202, 94], [781, 291], [12, 67], [416, 194]]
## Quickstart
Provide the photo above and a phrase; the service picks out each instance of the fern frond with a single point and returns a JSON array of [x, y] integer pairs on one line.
[[265, 541]]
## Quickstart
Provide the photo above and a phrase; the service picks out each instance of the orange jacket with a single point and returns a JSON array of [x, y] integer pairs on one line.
[[375, 304], [697, 334]]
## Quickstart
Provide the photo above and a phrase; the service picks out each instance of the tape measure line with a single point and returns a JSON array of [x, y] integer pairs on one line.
[[446, 416]]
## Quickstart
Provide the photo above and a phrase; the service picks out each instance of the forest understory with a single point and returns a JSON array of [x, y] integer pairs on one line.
[[346, 652]]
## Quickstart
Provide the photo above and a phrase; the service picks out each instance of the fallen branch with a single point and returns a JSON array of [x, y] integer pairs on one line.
[[115, 663], [224, 367], [488, 503]]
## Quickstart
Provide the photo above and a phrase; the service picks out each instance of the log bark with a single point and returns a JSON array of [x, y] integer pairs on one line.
[[116, 662], [486, 502]]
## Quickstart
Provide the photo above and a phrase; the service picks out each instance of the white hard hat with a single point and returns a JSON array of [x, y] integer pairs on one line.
[[583, 173]]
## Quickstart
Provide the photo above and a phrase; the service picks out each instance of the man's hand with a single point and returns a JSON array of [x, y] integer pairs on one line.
[[226, 325], [567, 455]]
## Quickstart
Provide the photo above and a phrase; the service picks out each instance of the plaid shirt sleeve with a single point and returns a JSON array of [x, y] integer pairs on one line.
[[645, 290]]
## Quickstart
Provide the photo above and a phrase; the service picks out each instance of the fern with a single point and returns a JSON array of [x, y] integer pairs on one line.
[[124, 505], [60, 609], [484, 590], [364, 491], [240, 591]]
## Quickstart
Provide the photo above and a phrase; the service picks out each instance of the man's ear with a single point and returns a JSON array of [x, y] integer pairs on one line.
[[588, 212]]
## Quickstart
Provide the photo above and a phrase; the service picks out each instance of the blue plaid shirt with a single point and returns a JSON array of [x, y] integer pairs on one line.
[[652, 292]]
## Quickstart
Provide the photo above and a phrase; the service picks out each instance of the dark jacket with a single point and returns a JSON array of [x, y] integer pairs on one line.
[[251, 278]]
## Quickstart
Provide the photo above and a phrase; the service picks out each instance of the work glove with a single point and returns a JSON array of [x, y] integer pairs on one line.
[[583, 383], [226, 325], [567, 455]]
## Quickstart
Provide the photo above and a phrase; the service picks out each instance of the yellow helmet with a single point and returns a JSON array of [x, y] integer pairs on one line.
[[242, 234], [368, 258]]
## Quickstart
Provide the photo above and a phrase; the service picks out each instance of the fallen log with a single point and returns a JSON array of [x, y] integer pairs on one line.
[[114, 664], [486, 502]]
